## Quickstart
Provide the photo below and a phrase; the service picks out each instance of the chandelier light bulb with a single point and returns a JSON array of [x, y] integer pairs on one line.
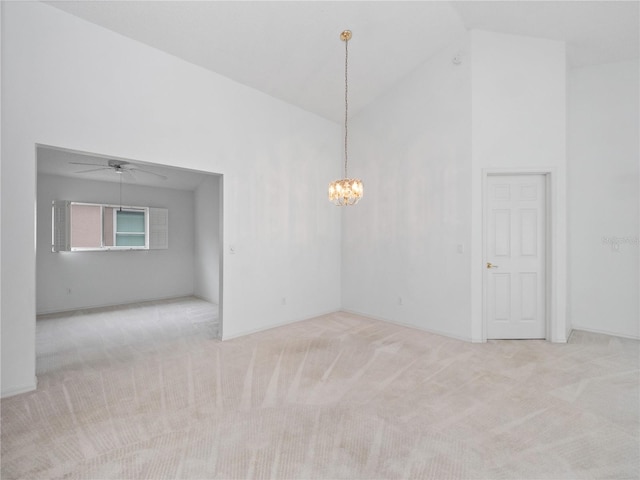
[[345, 192]]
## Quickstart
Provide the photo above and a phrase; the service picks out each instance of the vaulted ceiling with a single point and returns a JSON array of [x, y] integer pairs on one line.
[[291, 50]]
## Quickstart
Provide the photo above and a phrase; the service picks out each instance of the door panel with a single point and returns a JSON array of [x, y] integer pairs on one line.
[[502, 296], [502, 233], [515, 216], [528, 232], [528, 296]]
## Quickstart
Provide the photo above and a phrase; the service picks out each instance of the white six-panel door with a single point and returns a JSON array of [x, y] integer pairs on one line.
[[515, 238]]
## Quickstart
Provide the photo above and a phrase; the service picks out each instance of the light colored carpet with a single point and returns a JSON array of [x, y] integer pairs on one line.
[[145, 392]]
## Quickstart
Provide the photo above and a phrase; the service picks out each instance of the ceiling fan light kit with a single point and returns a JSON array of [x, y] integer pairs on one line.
[[117, 166]]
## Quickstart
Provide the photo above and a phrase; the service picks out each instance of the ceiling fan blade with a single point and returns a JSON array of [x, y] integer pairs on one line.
[[91, 164], [93, 170], [150, 173], [130, 173]]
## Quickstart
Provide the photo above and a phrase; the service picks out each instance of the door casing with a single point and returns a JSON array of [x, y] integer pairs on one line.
[[550, 263]]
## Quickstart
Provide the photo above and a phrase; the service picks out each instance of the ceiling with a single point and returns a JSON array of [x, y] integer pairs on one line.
[[291, 49], [57, 161]]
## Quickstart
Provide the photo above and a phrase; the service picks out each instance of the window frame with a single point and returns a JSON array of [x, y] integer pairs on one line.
[[114, 247], [157, 225]]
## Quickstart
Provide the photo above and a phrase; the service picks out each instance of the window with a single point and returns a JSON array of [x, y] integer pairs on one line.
[[80, 226], [130, 228], [85, 226]]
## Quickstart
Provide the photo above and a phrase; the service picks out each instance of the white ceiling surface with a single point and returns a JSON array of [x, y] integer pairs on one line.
[[595, 31], [291, 49], [54, 161]]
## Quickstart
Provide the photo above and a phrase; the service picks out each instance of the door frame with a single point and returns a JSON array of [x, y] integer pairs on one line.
[[220, 178], [485, 217], [555, 254]]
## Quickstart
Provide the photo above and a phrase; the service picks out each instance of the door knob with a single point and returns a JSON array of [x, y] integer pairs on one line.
[[491, 265]]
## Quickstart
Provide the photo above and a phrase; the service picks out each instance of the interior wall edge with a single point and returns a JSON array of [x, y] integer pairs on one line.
[[281, 324], [605, 332], [19, 389], [128, 303], [414, 326]]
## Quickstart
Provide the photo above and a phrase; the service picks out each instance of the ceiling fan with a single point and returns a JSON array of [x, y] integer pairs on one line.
[[118, 166]]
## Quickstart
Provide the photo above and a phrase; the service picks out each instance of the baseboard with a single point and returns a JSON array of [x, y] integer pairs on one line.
[[200, 297], [10, 392], [409, 325], [281, 324], [604, 332], [124, 304]]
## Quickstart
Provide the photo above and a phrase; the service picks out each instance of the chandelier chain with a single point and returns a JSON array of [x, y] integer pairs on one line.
[[346, 191], [346, 103]]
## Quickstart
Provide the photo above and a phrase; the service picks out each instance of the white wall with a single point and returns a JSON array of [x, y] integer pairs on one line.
[[422, 151], [604, 176], [112, 278], [412, 149], [519, 124], [207, 239], [71, 84]]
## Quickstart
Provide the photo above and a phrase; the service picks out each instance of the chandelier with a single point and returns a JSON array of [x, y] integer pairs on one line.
[[346, 191]]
